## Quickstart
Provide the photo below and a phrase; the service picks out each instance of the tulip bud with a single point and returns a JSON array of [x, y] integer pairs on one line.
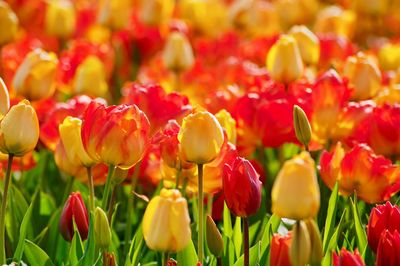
[[74, 210], [60, 18], [70, 135], [4, 99], [64, 164], [114, 13], [300, 248], [228, 124], [35, 77], [90, 78], [19, 129], [178, 54], [316, 243], [109, 260], [156, 12], [388, 253], [8, 22], [346, 258], [302, 127], [214, 239], [295, 194], [284, 61], [334, 19], [201, 137], [308, 44], [280, 249], [101, 229], [120, 175], [389, 56], [166, 222]]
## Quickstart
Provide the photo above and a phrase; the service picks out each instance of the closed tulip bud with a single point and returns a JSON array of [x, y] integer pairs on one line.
[[284, 61], [19, 129], [308, 44], [241, 176], [64, 164], [346, 258], [4, 99], [280, 249], [295, 194], [317, 253], [228, 124], [119, 175], [178, 54], [8, 22], [114, 13], [156, 12], [74, 210], [35, 77], [109, 260], [70, 135], [364, 76], [90, 78], [302, 127], [102, 230], [334, 19], [60, 18], [388, 253], [166, 222], [300, 248], [214, 239], [201, 138]]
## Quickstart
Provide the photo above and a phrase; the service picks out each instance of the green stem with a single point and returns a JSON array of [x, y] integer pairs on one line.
[[3, 209], [112, 202], [246, 240], [165, 257], [107, 188], [177, 81], [178, 175], [91, 188], [201, 214]]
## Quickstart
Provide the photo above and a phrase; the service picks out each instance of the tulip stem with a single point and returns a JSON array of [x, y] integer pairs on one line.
[[177, 81], [165, 257], [107, 188], [246, 240], [3, 209], [91, 189], [201, 214]]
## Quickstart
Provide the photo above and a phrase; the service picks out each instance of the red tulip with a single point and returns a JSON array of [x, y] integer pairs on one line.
[[116, 135], [346, 258], [382, 217], [280, 250], [388, 249], [242, 187], [74, 210]]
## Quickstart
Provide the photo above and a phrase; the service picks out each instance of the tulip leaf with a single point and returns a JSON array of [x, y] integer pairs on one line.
[[237, 236], [229, 252], [136, 246], [76, 248], [327, 260], [271, 227], [330, 217], [88, 257], [16, 209], [188, 255], [361, 236], [35, 255], [254, 256], [227, 222]]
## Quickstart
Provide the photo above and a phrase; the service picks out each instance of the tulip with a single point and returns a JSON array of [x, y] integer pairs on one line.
[[102, 230], [382, 217], [364, 76], [334, 19], [4, 99], [389, 56], [166, 222], [302, 127], [228, 124], [280, 249], [8, 22], [346, 258], [74, 210], [169, 144], [64, 164], [241, 176], [116, 135], [295, 193], [308, 44], [201, 137], [300, 248], [114, 13], [60, 18], [156, 12], [284, 61], [178, 54], [35, 77], [214, 239], [90, 78], [317, 253], [19, 129], [388, 253]]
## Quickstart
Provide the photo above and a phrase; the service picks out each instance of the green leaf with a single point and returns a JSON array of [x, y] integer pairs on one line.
[[134, 251], [47, 204], [361, 236], [88, 257], [254, 256], [187, 256], [237, 236], [271, 227], [76, 248], [229, 252], [35, 255], [331, 216], [16, 209], [227, 222], [327, 260]]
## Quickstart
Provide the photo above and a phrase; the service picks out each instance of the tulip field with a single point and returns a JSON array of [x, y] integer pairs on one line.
[[200, 132]]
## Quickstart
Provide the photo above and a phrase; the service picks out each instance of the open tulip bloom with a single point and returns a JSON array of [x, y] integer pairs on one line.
[[213, 133]]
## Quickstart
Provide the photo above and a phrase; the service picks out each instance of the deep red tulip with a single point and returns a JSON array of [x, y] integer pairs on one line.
[[242, 187], [382, 217], [74, 210], [388, 253], [346, 258], [280, 250]]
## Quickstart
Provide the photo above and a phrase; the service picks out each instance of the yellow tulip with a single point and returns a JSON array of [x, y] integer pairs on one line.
[[302, 126], [295, 194], [308, 44], [114, 13], [60, 18], [300, 248], [90, 78], [228, 124], [4, 99], [201, 138], [284, 61], [19, 129], [35, 77], [166, 222], [334, 19], [389, 57], [157, 12], [102, 230], [70, 135], [8, 22], [178, 54]]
